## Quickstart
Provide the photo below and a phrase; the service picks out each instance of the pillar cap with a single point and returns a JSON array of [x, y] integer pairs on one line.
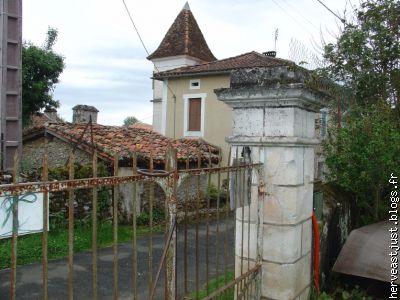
[[292, 95], [283, 86]]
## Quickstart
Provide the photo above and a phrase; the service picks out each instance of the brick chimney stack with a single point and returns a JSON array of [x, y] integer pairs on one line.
[[82, 114], [51, 113]]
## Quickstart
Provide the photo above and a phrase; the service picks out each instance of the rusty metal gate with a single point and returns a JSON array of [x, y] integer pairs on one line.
[[198, 255]]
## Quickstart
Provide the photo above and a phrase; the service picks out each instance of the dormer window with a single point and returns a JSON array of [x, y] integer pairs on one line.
[[194, 84]]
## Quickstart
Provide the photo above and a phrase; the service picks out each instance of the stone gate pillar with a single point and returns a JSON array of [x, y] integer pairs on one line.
[[273, 114]]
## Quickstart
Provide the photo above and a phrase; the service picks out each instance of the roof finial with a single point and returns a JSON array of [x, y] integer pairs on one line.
[[186, 7]]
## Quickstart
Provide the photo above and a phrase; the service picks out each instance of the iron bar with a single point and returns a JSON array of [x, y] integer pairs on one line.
[[207, 223], [202, 171], [185, 249], [64, 185], [248, 177], [171, 217], [94, 229], [252, 272], [236, 207], [166, 229], [85, 183], [45, 177], [227, 205], [173, 212], [217, 229], [242, 196], [134, 235], [197, 224], [80, 138], [14, 237], [115, 231], [163, 258], [71, 166], [246, 286], [151, 200]]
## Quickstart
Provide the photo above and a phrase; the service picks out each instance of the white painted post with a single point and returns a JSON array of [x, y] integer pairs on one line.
[[276, 120]]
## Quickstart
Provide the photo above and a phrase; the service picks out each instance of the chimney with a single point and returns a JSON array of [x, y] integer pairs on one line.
[[270, 53], [82, 114], [51, 114]]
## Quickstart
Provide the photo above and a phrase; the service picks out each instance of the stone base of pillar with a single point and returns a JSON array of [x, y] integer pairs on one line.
[[286, 281]]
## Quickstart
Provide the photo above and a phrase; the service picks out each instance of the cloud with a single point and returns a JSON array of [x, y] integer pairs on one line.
[[106, 64]]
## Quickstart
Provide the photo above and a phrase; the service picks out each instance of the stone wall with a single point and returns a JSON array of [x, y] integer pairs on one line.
[[188, 189], [58, 206], [58, 152]]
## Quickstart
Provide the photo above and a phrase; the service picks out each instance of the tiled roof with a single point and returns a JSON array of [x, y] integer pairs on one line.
[[184, 37], [110, 140], [206, 148], [247, 60], [141, 125], [40, 119]]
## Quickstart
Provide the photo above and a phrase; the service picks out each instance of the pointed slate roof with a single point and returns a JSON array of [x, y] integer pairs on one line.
[[184, 37]]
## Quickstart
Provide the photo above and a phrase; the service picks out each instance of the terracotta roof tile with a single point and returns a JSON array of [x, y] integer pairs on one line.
[[247, 60], [110, 140], [142, 126], [40, 119], [184, 37]]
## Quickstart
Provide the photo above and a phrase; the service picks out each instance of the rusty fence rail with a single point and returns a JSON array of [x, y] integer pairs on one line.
[[203, 248]]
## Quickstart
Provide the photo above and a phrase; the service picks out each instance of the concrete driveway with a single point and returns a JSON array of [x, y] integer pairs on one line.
[[29, 276]]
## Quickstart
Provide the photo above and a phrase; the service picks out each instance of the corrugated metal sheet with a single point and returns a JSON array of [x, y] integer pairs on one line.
[[366, 253]]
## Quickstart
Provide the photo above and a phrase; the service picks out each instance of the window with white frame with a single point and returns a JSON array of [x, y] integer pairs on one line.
[[194, 84], [194, 114]]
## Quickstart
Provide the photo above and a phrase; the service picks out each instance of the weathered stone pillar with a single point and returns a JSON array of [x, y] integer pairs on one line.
[[273, 114]]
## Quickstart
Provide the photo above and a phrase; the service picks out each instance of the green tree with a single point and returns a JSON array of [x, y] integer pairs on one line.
[[366, 56], [41, 68], [362, 155], [130, 121], [365, 62]]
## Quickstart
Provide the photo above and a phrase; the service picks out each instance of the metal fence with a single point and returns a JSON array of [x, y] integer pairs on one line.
[[197, 256]]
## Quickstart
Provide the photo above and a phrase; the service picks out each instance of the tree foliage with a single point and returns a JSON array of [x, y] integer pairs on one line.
[[366, 56], [365, 62], [130, 121], [41, 68], [362, 155]]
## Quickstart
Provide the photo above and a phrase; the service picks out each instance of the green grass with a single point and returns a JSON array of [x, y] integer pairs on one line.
[[215, 284], [29, 247]]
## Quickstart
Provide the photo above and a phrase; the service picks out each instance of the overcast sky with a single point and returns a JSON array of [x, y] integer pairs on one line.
[[106, 65]]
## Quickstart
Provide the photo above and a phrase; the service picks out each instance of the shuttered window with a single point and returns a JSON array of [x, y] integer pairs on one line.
[[194, 114]]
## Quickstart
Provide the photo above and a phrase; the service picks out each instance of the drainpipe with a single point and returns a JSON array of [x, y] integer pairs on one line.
[[174, 114]]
